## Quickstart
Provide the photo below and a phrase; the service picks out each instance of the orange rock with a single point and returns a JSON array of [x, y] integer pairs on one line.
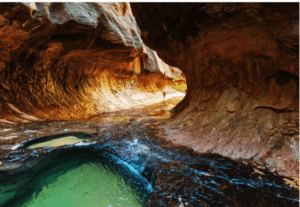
[[242, 71], [16, 23], [73, 66]]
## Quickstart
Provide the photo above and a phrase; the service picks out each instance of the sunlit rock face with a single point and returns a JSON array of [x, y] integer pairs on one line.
[[241, 62], [73, 61]]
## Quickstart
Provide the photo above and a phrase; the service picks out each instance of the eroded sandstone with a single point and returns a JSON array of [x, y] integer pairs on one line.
[[66, 61], [73, 61], [241, 63]]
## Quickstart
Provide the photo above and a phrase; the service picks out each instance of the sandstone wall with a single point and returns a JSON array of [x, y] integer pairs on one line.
[[241, 62], [73, 61]]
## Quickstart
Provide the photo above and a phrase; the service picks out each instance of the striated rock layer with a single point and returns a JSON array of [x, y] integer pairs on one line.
[[241, 63], [73, 61]]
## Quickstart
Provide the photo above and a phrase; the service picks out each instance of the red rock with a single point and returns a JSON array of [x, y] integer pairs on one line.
[[73, 61], [241, 63], [16, 23]]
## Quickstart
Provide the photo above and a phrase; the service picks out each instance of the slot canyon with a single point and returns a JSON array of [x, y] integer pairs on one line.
[[149, 104]]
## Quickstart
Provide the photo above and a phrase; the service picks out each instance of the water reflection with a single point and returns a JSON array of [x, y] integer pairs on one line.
[[75, 176], [179, 176]]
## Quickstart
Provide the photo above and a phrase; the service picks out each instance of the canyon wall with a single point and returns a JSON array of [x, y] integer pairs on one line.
[[241, 62], [74, 61]]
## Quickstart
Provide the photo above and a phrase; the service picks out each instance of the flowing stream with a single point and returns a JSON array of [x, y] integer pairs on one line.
[[126, 163]]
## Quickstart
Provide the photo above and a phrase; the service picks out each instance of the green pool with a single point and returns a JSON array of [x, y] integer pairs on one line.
[[65, 140], [77, 180]]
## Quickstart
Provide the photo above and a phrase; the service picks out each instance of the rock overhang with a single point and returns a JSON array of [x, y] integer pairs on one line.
[[71, 56], [232, 55]]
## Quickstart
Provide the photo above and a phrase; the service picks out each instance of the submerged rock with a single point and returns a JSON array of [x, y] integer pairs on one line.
[[171, 175], [78, 61]]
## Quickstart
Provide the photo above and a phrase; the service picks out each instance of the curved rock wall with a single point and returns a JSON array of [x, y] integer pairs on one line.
[[74, 61], [241, 62]]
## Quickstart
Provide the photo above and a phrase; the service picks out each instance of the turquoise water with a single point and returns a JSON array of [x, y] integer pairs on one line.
[[78, 180]]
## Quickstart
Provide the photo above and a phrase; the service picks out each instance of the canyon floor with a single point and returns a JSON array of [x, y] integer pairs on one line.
[[107, 79], [177, 173]]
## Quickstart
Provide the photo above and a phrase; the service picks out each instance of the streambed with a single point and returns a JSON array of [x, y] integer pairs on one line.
[[168, 175]]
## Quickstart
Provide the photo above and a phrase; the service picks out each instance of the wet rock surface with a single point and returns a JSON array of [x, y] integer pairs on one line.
[[77, 68], [241, 62], [178, 174]]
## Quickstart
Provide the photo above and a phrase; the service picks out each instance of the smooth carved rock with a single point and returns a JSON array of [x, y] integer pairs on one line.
[[74, 61], [241, 62]]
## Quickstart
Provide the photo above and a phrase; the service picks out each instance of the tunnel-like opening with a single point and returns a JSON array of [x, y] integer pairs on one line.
[[58, 68], [102, 65], [70, 70]]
